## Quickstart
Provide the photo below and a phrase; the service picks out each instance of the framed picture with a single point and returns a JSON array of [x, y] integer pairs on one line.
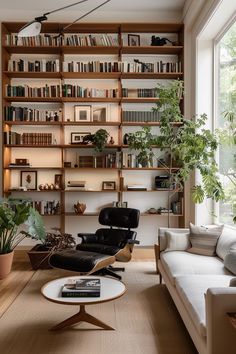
[[120, 204], [108, 185], [77, 138], [28, 179], [133, 40], [82, 113], [99, 114], [58, 180]]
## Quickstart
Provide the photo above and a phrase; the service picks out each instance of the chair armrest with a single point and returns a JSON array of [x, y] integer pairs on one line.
[[133, 242], [220, 301], [88, 238]]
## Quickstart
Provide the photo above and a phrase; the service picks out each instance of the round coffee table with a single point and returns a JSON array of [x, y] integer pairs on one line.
[[110, 289]]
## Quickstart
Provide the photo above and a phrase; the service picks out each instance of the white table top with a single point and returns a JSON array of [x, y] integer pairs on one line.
[[110, 289]]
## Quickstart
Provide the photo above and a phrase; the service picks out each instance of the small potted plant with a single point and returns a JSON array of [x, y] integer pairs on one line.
[[99, 139], [53, 241], [14, 214]]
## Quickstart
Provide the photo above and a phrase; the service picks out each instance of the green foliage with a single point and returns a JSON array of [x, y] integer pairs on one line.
[[191, 144], [142, 141], [100, 139], [13, 214]]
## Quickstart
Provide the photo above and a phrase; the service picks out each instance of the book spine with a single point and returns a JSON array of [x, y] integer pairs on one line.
[[80, 294]]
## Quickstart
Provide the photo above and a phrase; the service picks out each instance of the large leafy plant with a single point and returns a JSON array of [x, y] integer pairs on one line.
[[13, 215], [190, 144]]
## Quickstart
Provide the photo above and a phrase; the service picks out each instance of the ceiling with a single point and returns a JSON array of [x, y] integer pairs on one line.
[[122, 10]]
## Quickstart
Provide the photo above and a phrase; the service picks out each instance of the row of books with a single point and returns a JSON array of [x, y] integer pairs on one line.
[[46, 91], [157, 67], [140, 116], [47, 207], [42, 65], [13, 138], [69, 90], [142, 92], [92, 66], [26, 114], [45, 39], [91, 40]]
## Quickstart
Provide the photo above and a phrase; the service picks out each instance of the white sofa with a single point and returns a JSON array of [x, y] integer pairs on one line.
[[199, 286]]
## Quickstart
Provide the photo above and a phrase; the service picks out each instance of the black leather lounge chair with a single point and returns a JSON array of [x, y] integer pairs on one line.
[[98, 251]]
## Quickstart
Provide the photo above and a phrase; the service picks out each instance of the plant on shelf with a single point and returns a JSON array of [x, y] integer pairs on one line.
[[142, 141], [191, 144], [99, 139], [14, 213]]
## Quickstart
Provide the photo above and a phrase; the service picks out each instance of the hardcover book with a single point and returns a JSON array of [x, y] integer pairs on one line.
[[81, 288]]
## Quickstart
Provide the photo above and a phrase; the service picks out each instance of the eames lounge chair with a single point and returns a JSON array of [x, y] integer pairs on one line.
[[99, 250]]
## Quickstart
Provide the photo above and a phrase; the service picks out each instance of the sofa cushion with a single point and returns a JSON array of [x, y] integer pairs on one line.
[[226, 241], [178, 263], [192, 292], [230, 261], [204, 239], [162, 235], [177, 241]]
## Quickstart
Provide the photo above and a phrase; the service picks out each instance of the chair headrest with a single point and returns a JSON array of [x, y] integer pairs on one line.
[[119, 217]]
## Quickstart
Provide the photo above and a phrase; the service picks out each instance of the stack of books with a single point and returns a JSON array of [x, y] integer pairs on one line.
[[81, 288]]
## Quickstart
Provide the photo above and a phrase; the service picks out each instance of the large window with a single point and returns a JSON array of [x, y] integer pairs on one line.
[[226, 122]]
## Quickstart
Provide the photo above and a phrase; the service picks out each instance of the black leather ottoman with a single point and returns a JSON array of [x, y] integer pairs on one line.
[[80, 261]]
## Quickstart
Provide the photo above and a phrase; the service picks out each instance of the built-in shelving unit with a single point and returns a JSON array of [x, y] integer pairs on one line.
[[48, 160]]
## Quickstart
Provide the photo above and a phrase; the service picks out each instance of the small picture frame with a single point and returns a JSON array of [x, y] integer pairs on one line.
[[133, 40], [77, 137], [108, 185], [58, 180], [99, 114], [82, 113], [120, 204], [28, 179]]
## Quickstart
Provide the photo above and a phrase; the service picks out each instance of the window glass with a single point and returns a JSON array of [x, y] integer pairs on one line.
[[226, 122]]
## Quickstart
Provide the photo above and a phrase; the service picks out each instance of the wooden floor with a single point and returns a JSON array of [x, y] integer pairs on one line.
[[21, 274]]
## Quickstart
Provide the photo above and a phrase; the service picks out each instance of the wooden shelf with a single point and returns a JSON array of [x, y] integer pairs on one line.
[[32, 49], [32, 168], [37, 75], [34, 146], [90, 50], [134, 124], [85, 214], [161, 215], [139, 99], [32, 123], [90, 99], [88, 146], [91, 191], [91, 75], [90, 168], [151, 76], [33, 99], [152, 50], [36, 191], [107, 124]]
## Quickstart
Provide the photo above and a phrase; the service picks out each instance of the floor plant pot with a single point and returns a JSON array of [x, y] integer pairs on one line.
[[39, 256], [5, 264]]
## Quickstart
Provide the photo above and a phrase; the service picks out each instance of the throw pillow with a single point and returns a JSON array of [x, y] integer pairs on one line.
[[177, 241], [230, 261], [204, 239]]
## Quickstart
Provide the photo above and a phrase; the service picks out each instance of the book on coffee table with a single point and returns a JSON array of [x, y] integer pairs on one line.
[[81, 288]]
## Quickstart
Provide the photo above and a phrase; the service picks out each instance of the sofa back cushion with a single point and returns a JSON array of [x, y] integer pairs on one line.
[[204, 239], [177, 241], [230, 261], [162, 240], [225, 242]]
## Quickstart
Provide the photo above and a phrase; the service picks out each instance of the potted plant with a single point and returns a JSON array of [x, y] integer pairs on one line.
[[53, 241], [99, 139], [13, 215], [191, 144]]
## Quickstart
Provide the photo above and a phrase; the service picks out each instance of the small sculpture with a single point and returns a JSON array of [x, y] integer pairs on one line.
[[158, 41], [111, 141], [79, 208]]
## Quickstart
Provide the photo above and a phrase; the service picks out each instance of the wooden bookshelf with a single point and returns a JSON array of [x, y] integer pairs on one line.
[[63, 127]]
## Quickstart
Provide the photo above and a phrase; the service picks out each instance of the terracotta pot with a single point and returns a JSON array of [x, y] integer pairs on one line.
[[38, 256], [5, 264]]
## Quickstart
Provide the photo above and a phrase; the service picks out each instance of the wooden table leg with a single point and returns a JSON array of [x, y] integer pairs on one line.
[[81, 316]]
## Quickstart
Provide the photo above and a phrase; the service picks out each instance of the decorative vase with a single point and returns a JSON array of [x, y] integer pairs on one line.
[[79, 208], [5, 264]]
